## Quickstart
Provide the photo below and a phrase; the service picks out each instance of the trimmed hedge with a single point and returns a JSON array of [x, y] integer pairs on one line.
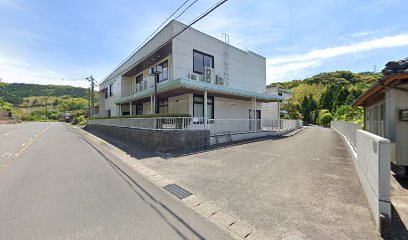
[[148, 116]]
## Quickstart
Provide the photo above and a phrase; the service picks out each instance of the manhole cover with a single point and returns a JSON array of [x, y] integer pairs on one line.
[[177, 191]]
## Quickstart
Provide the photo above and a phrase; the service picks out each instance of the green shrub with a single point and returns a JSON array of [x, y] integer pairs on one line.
[[314, 116], [325, 118], [79, 117], [81, 120]]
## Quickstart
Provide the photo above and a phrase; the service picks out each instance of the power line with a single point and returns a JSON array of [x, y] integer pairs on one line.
[[158, 28], [206, 13], [186, 9]]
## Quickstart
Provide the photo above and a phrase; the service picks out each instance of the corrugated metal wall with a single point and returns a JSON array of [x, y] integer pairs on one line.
[[396, 130]]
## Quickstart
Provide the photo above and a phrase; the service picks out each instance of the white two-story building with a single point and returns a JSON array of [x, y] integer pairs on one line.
[[196, 69]]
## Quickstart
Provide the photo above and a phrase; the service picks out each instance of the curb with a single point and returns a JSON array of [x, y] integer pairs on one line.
[[237, 228]]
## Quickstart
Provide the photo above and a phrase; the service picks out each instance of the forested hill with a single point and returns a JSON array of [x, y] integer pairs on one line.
[[16, 92], [327, 96], [361, 80]]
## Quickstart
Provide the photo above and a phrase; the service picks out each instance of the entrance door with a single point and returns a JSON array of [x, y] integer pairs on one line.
[[258, 123]]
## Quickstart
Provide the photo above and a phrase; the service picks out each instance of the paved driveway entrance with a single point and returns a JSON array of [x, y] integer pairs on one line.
[[300, 187]]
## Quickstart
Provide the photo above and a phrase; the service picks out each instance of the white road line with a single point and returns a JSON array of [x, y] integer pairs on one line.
[[24, 146], [6, 155], [6, 134]]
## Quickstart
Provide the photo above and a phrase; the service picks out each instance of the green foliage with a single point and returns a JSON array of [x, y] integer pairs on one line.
[[72, 104], [286, 85], [305, 109], [292, 109], [16, 92], [349, 114], [303, 90], [6, 106], [314, 117], [325, 118], [333, 92], [79, 117]]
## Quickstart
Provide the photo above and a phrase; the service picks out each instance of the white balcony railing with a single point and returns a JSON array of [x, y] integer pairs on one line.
[[215, 126], [141, 86]]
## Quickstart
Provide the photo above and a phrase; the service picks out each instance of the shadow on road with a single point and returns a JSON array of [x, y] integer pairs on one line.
[[396, 230], [146, 196], [400, 175]]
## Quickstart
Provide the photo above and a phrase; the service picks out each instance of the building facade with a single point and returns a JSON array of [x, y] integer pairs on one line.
[[200, 75], [272, 110], [386, 108]]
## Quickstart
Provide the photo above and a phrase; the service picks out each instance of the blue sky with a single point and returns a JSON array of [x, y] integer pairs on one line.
[[45, 41]]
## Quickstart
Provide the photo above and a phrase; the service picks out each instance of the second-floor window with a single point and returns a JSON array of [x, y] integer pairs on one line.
[[201, 60], [106, 93], [139, 79], [111, 90], [165, 71]]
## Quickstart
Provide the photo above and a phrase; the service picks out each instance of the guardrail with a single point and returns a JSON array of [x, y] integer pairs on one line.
[[348, 129], [216, 126]]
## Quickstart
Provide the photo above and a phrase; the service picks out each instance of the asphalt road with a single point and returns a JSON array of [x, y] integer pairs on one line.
[[14, 136], [59, 187], [300, 187]]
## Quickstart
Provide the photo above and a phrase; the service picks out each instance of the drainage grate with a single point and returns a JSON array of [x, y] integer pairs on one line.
[[177, 191]]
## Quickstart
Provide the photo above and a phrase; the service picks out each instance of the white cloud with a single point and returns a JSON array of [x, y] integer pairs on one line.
[[13, 70], [277, 67], [10, 3]]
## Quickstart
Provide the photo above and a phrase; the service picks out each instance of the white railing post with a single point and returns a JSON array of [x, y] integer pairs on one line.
[[205, 111]]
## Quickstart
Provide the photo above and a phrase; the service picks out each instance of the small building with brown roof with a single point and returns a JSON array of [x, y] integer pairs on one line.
[[386, 108]]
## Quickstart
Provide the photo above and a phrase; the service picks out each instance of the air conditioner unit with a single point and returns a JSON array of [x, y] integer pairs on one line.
[[209, 76], [219, 80], [193, 76]]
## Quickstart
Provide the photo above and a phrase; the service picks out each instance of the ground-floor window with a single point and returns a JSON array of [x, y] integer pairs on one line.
[[108, 113], [125, 113], [139, 109], [163, 106], [198, 106]]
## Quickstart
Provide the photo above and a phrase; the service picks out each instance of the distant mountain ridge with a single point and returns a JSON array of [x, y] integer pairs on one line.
[[16, 92], [362, 80]]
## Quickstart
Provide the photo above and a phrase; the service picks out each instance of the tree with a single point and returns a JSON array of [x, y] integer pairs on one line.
[[305, 109], [312, 103], [35, 103], [303, 90], [340, 98], [292, 109], [56, 102], [325, 118], [72, 104]]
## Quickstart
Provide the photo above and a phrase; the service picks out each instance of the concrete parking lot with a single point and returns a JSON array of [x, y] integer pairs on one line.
[[299, 187]]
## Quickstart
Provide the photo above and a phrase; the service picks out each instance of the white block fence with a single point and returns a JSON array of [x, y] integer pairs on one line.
[[371, 157]]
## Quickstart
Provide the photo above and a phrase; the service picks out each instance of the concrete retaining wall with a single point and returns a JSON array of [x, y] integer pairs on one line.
[[373, 168], [371, 156], [243, 136], [157, 140], [348, 129]]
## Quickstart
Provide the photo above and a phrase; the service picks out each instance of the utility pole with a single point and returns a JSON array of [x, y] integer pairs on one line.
[[91, 95], [155, 71]]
